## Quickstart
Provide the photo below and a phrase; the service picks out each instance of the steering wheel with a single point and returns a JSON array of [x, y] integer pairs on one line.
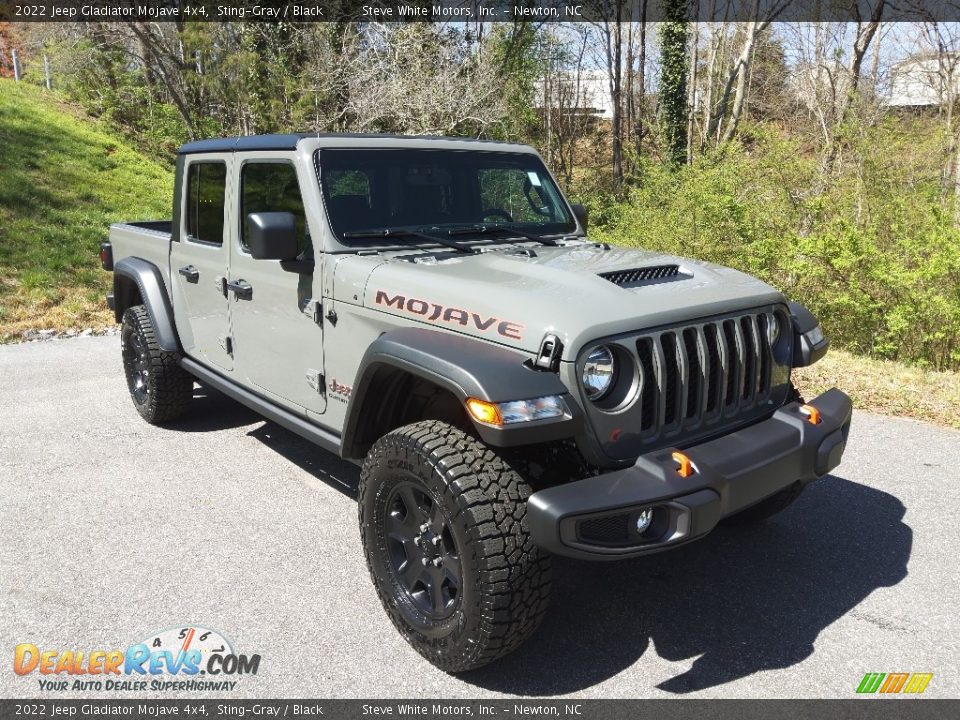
[[497, 212]]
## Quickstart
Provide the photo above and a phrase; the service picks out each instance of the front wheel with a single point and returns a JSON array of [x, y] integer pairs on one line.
[[443, 525]]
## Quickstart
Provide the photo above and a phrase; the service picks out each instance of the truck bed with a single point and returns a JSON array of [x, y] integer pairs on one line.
[[147, 239], [159, 226]]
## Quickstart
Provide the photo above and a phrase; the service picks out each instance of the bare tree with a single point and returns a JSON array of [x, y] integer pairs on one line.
[[566, 95], [611, 37], [866, 29], [735, 87], [162, 51], [410, 78]]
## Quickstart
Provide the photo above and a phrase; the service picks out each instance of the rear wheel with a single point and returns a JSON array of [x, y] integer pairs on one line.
[[443, 524], [160, 389]]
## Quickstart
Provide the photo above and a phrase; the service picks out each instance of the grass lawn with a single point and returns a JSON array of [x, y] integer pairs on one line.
[[63, 179], [886, 387]]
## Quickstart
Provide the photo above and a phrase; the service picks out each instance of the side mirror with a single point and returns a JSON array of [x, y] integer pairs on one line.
[[581, 213], [272, 235]]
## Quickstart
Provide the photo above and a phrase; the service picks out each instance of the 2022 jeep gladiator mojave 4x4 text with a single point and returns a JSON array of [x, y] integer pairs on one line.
[[432, 309]]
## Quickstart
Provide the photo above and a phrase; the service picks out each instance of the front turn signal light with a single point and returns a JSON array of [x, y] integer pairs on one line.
[[685, 466], [484, 411], [812, 414], [516, 411]]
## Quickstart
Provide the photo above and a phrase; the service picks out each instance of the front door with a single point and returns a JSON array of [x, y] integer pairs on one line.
[[200, 260], [276, 317]]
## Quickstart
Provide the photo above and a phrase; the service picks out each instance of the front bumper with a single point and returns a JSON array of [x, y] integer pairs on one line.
[[596, 518]]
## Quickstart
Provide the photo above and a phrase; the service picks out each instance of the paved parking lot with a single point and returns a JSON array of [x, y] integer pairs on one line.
[[113, 530]]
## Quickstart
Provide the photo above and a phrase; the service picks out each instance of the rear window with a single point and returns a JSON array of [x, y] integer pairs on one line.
[[206, 186]]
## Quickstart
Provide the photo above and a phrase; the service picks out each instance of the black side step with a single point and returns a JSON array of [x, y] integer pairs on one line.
[[305, 429]]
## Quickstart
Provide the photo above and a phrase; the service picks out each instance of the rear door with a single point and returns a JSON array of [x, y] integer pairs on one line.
[[199, 262], [277, 323]]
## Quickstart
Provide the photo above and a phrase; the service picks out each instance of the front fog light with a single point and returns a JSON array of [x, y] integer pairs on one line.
[[644, 519], [516, 411]]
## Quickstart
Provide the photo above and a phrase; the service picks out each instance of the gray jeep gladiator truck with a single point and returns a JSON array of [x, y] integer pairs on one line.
[[432, 309]]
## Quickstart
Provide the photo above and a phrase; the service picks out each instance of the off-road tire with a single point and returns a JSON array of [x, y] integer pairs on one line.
[[775, 503], [504, 578], [160, 389]]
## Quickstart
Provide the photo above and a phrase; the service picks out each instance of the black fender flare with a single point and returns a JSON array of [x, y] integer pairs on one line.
[[149, 281], [467, 368], [809, 342]]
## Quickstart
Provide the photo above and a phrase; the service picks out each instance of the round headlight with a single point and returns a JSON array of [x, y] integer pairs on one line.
[[773, 329], [598, 372]]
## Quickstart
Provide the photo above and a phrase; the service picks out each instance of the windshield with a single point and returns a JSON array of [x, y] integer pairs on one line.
[[377, 189]]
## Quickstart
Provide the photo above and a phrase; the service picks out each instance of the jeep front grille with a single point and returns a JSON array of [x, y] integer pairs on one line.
[[701, 371], [696, 379]]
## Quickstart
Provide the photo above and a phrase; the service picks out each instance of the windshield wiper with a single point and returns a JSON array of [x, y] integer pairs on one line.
[[504, 230], [397, 232]]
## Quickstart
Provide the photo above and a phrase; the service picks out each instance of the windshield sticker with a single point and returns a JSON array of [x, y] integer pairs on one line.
[[534, 178]]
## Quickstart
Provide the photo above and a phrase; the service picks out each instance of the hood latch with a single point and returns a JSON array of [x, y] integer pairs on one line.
[[548, 357]]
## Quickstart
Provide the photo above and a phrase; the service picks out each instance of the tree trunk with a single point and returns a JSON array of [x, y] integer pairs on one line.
[[740, 71], [630, 108], [616, 79], [642, 91], [711, 68], [865, 33], [692, 91], [673, 81]]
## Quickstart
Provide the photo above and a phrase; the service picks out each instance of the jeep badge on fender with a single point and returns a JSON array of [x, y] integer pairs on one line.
[[432, 309]]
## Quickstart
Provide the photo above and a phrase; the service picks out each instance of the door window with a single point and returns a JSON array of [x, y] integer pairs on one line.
[[206, 187], [271, 187]]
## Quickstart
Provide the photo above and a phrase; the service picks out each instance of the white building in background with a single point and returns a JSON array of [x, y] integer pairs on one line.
[[589, 97], [924, 81], [919, 81]]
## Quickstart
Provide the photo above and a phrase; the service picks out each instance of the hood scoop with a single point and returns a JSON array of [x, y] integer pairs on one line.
[[638, 276]]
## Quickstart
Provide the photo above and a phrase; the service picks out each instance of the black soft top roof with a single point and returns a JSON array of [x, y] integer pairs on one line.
[[289, 141]]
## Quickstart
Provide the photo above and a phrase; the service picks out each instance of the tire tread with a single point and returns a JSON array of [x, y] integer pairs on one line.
[[490, 496], [171, 387]]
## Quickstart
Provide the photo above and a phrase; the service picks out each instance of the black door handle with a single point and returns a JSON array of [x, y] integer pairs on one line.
[[241, 288], [190, 273]]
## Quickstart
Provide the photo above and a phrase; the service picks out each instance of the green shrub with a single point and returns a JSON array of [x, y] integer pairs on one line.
[[872, 251]]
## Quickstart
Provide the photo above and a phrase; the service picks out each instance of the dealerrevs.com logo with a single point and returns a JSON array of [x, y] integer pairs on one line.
[[894, 683], [189, 658]]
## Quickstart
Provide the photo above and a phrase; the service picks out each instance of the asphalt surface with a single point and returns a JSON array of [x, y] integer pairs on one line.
[[113, 529]]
